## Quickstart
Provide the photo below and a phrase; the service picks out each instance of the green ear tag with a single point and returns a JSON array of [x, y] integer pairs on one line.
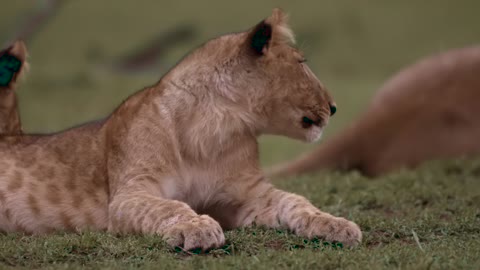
[[9, 65]]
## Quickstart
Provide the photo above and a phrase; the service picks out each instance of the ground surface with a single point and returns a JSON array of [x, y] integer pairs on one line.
[[427, 218]]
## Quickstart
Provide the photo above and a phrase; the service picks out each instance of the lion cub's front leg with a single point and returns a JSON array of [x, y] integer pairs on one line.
[[139, 207], [276, 208]]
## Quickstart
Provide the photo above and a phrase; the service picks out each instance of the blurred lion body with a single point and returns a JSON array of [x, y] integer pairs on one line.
[[430, 110], [180, 158]]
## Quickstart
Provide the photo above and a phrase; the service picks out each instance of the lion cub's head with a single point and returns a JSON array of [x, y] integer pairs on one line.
[[263, 74], [293, 101]]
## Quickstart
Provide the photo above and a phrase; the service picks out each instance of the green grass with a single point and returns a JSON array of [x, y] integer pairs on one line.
[[439, 203], [352, 45]]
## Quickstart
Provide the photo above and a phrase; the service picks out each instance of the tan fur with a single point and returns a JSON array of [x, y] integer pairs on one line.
[[9, 113], [427, 111], [180, 158]]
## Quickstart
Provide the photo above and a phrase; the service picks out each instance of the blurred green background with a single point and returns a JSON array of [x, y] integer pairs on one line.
[[352, 46]]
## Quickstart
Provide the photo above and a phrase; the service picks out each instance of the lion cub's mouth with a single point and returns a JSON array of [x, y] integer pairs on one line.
[[308, 122]]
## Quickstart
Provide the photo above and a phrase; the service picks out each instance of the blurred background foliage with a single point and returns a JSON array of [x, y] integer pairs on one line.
[[352, 46]]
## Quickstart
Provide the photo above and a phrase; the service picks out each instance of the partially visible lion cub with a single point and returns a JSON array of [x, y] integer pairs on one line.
[[180, 158], [12, 66]]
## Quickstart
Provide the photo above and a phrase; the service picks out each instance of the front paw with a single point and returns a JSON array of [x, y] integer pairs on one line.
[[330, 228], [199, 232]]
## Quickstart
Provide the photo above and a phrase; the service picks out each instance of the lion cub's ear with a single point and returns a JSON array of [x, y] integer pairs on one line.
[[12, 64], [270, 32], [260, 37]]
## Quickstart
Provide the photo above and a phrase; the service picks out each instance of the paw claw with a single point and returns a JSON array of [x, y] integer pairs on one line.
[[196, 235], [332, 230]]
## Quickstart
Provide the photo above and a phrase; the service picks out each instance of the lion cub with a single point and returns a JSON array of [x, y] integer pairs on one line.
[[12, 66], [180, 158]]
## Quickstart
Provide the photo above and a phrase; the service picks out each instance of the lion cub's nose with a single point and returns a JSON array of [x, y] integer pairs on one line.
[[333, 108]]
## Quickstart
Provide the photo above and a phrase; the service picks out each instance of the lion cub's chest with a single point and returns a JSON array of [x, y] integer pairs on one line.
[[198, 187]]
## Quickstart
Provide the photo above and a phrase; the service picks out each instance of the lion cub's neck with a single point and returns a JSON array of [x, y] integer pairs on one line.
[[202, 125], [208, 126]]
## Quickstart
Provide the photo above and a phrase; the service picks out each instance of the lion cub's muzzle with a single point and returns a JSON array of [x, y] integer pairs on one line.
[[319, 119]]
